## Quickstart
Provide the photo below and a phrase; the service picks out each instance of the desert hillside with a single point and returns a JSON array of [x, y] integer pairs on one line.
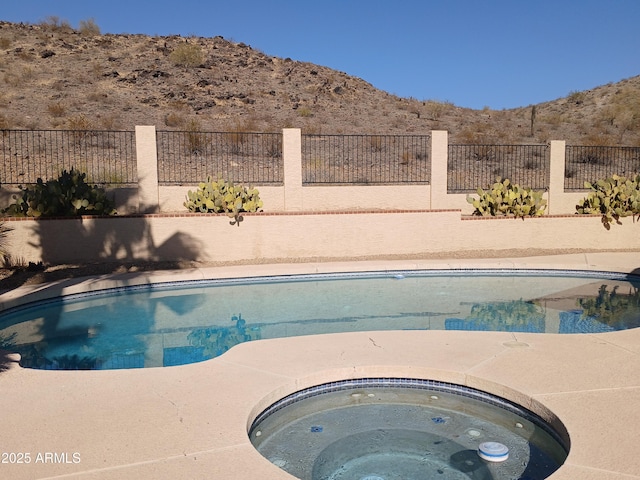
[[55, 77]]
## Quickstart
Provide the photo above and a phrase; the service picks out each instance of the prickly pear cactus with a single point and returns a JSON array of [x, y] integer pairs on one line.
[[68, 195], [223, 197], [507, 199], [613, 198]]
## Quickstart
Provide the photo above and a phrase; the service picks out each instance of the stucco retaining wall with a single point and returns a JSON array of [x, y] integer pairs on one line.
[[264, 237]]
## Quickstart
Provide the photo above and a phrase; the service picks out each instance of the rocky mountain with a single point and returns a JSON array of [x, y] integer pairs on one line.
[[55, 77]]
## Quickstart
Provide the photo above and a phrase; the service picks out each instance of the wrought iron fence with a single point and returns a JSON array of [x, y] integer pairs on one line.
[[365, 159], [107, 157], [473, 166], [591, 163], [190, 157]]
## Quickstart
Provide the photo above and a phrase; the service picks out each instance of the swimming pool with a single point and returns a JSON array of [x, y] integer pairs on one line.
[[177, 323]]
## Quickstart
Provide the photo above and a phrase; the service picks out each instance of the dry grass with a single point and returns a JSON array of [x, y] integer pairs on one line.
[[57, 109], [305, 112], [19, 78], [5, 124], [89, 28], [79, 122], [109, 122], [196, 140], [54, 23], [187, 55], [173, 119], [376, 143]]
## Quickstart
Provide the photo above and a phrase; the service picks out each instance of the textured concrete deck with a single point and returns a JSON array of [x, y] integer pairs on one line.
[[191, 421]]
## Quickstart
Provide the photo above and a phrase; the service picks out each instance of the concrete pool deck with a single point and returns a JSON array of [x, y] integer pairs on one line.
[[191, 421]]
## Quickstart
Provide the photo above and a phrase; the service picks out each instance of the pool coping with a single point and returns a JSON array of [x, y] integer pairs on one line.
[[191, 421]]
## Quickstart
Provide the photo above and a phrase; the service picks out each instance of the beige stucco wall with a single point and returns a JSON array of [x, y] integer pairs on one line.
[[322, 199], [264, 237], [147, 166], [379, 197]]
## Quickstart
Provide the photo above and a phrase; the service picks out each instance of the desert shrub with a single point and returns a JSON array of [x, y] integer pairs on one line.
[[89, 28], [196, 140], [12, 79], [223, 197], [576, 97], [179, 105], [173, 119], [97, 96], [57, 109], [305, 112], [79, 122], [97, 71], [26, 55], [5, 43], [613, 198], [238, 134], [27, 74], [553, 119], [109, 122], [314, 128], [478, 133], [5, 124], [508, 199], [376, 143], [434, 110], [187, 55], [600, 139], [56, 24], [68, 195]]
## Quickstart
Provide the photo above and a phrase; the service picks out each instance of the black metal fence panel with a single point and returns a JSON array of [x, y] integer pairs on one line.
[[240, 157], [366, 159], [592, 163], [107, 157], [473, 166]]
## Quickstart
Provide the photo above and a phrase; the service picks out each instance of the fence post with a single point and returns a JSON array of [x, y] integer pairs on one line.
[[556, 176], [439, 154], [292, 159], [147, 166]]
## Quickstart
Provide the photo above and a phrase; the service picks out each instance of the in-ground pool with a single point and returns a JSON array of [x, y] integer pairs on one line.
[[392, 429], [184, 322]]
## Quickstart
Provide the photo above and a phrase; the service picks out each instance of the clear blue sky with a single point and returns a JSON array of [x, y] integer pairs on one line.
[[474, 53]]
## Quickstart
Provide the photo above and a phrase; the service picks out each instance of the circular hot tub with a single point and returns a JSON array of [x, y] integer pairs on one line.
[[391, 429]]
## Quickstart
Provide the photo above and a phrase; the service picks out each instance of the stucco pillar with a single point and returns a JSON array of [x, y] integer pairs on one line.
[[147, 165], [439, 154], [556, 176], [292, 157]]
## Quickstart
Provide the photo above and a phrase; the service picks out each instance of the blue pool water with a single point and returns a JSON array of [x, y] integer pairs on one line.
[[186, 322], [383, 429]]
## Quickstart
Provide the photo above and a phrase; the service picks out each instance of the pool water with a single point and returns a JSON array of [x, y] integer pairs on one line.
[[186, 322], [392, 429]]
